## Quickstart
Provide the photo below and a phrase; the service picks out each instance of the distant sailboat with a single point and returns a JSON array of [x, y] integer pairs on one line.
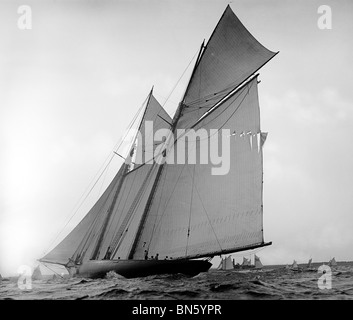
[[332, 262], [3, 279], [226, 264], [258, 264], [246, 264], [309, 266], [37, 274], [182, 211], [294, 266]]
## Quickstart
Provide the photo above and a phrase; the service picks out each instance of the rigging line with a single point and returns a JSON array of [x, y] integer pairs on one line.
[[208, 218], [192, 196], [215, 95], [164, 97], [100, 193], [53, 270], [180, 78], [150, 134], [216, 132], [132, 122], [88, 234], [229, 94], [235, 96], [80, 201], [80, 204], [166, 142], [198, 121], [92, 230]]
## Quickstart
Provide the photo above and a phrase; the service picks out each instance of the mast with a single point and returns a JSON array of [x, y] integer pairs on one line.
[[161, 166]]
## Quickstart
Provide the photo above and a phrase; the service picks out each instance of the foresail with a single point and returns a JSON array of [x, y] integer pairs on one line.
[[231, 55], [186, 218], [127, 211], [96, 235], [84, 232]]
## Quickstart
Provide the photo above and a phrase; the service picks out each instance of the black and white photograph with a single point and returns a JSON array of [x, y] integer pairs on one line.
[[196, 151]]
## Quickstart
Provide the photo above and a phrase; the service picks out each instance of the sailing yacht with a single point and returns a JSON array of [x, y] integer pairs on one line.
[[37, 274], [258, 263], [161, 208], [309, 266], [226, 264], [332, 262]]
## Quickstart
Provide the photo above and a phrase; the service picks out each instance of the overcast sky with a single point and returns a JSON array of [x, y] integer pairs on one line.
[[70, 86]]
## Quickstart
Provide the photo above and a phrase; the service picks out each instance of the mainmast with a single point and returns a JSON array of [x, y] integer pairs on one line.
[[176, 117]]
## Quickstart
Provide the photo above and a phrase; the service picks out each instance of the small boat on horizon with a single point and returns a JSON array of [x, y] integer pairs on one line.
[[309, 266], [37, 274], [294, 266], [332, 262]]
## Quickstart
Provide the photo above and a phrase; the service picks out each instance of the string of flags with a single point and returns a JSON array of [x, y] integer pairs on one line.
[[260, 138]]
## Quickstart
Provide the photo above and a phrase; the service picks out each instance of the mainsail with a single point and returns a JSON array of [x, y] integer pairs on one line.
[[160, 206], [185, 218]]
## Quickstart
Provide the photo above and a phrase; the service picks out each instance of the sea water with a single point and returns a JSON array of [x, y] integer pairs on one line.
[[269, 283]]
